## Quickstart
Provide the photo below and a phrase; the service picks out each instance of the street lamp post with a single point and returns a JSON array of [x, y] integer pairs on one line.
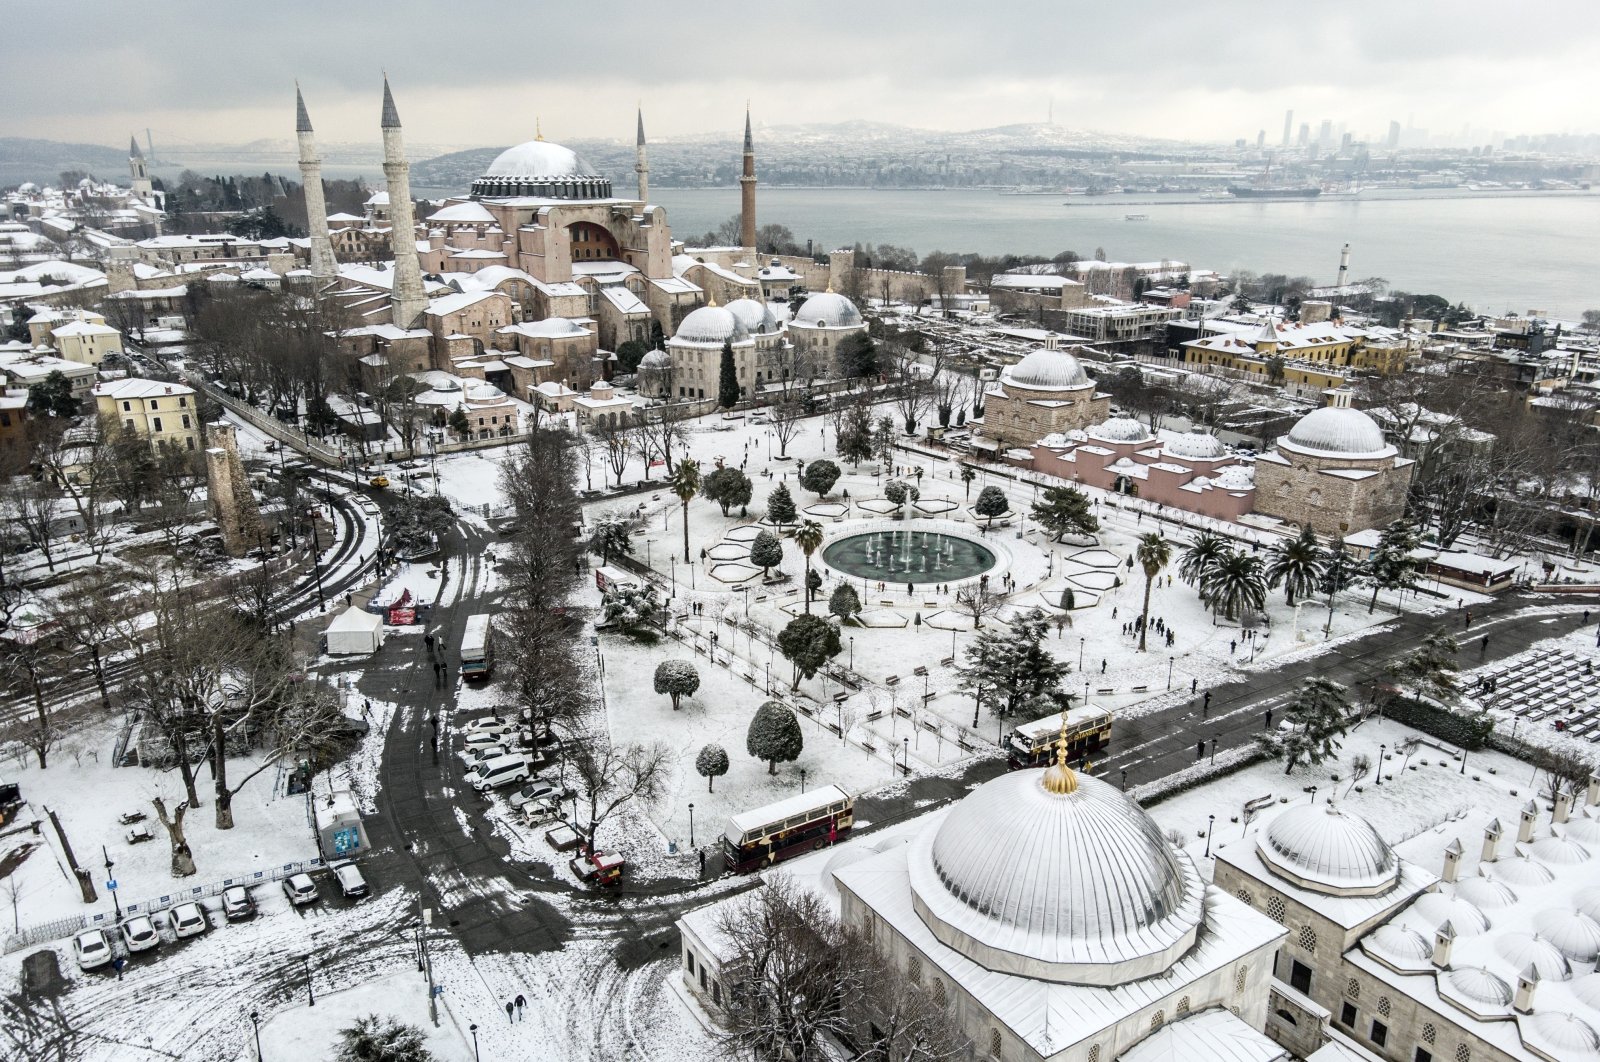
[[802, 779], [1213, 750], [691, 824], [311, 996], [111, 883], [1379, 782], [473, 1028], [316, 563], [427, 961], [852, 652], [255, 1023], [1211, 821], [1171, 660], [905, 759], [1082, 641]]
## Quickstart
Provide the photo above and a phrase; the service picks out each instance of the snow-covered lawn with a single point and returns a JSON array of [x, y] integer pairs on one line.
[[307, 1032]]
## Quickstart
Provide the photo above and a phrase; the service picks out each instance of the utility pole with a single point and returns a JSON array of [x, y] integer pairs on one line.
[[111, 883], [427, 962]]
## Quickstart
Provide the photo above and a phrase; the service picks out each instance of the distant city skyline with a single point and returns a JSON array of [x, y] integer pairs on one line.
[[197, 72]]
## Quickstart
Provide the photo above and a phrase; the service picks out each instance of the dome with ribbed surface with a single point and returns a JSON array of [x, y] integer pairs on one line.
[[828, 310], [1398, 942], [1320, 847], [1570, 1037], [1558, 851], [756, 317], [1575, 933], [1587, 989], [1075, 886], [1120, 429], [1337, 432], [1046, 370], [1479, 985], [1519, 870], [1522, 950], [1436, 909], [1487, 894], [710, 326], [1196, 444]]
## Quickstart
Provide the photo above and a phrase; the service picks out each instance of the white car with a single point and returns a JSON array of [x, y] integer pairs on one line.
[[348, 875], [536, 790], [476, 754], [487, 725], [91, 948], [139, 934], [478, 739], [300, 889], [187, 920], [237, 904]]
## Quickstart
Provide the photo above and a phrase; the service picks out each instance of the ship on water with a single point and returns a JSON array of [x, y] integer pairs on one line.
[[1280, 192]]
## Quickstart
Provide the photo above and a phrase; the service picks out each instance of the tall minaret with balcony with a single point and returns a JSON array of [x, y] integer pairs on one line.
[[747, 190], [323, 265], [408, 299], [641, 162]]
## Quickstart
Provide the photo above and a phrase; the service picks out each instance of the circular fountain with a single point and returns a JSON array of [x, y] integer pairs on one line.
[[909, 554]]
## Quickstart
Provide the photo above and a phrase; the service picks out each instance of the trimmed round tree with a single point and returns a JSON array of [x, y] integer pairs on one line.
[[774, 735], [991, 503], [727, 487], [780, 505], [808, 642], [845, 603], [711, 764], [767, 551], [820, 476], [895, 492], [677, 679]]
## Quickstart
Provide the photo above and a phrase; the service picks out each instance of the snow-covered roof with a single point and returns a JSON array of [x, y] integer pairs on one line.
[[448, 304], [1212, 1035], [465, 211], [548, 328], [135, 387]]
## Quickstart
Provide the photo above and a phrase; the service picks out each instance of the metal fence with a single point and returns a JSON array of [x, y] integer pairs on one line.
[[66, 927]]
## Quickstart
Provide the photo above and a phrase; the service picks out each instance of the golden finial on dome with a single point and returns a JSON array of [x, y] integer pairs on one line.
[[711, 297], [1059, 778], [538, 133]]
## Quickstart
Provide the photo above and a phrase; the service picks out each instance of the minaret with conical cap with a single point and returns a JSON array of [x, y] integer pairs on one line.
[[747, 190], [408, 299], [139, 171], [323, 265], [641, 162]]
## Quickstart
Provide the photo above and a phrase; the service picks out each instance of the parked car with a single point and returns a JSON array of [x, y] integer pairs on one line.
[[187, 920], [538, 789], [91, 948], [474, 739], [300, 889], [488, 725], [476, 754], [348, 875], [497, 772], [139, 933], [237, 903]]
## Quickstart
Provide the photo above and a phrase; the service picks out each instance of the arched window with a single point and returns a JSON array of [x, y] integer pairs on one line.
[[1158, 1019], [1239, 979], [1429, 1032], [914, 969], [1275, 908], [1308, 939], [1383, 1006], [1352, 988], [1094, 1053], [1286, 1016], [1183, 1006], [940, 996], [1463, 1053], [994, 1043], [1244, 897]]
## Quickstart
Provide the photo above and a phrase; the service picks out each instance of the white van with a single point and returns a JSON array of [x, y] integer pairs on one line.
[[499, 771]]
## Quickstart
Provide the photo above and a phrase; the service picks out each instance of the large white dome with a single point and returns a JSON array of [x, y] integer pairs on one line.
[[1323, 849], [1120, 429], [538, 158], [828, 310], [710, 325], [1338, 431], [1076, 887], [756, 317], [542, 169], [1196, 444], [1046, 370]]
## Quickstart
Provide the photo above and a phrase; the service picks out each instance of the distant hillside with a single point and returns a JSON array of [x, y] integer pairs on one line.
[[43, 161], [456, 170]]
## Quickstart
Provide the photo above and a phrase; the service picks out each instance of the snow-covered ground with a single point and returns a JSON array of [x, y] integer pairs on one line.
[[312, 1032]]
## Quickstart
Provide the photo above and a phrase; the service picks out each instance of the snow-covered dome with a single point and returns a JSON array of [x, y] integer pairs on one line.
[[656, 359], [1435, 909], [1519, 870], [1235, 477], [1059, 877], [710, 326], [1584, 829], [1046, 370], [1558, 851], [1118, 429], [828, 310], [540, 168], [756, 317], [1575, 933], [1400, 942], [1522, 950], [1338, 432], [1587, 989], [1320, 847], [1478, 984], [1588, 902], [1569, 1037], [1481, 892], [1197, 444]]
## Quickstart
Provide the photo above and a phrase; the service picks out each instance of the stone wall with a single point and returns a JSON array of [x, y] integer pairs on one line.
[[1300, 493]]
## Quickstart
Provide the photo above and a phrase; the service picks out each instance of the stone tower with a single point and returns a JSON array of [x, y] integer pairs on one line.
[[641, 162], [139, 172], [323, 266], [408, 300], [232, 505], [747, 190]]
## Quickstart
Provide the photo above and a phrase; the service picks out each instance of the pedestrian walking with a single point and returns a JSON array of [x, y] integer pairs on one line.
[[436, 672], [1483, 646], [510, 1006], [520, 1002], [1208, 700], [1103, 666], [366, 708], [1194, 686], [702, 862], [118, 964], [1233, 646], [1468, 618], [1586, 617]]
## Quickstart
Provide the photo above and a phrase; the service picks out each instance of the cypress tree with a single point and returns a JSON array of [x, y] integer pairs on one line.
[[728, 383]]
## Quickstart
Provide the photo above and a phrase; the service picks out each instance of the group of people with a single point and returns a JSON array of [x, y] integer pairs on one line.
[[1133, 627]]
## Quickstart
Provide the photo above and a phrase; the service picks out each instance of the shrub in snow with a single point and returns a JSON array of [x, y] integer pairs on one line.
[[808, 642], [895, 491], [727, 487], [380, 1039], [711, 764], [631, 610], [845, 603], [677, 679], [774, 735], [991, 503]]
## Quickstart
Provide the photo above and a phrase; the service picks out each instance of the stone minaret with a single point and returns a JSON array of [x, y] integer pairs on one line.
[[139, 172], [747, 190], [641, 162], [408, 300], [323, 265], [233, 507]]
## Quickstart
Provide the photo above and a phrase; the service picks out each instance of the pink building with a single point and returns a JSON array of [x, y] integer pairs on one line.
[[1193, 472]]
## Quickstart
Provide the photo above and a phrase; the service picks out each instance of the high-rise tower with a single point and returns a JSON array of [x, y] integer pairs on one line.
[[1288, 124], [323, 265], [139, 171], [408, 298], [1344, 267], [641, 162], [747, 189]]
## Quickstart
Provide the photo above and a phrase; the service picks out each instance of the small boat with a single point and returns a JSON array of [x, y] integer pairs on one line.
[[1136, 217]]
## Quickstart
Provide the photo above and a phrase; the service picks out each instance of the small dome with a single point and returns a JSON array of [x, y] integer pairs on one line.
[[1520, 870], [756, 317], [1587, 901], [1524, 949], [656, 359], [1583, 829], [1047, 370], [1435, 909], [1400, 942], [1489, 895], [710, 325], [537, 158], [1196, 444], [828, 310], [1558, 851], [838, 861], [1340, 432], [1480, 985], [1571, 1037], [1067, 883], [1587, 989], [1119, 429], [1235, 477], [1324, 849], [1576, 934]]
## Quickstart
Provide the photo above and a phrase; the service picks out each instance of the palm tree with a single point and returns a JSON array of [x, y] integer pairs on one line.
[[1154, 553], [808, 538], [1237, 581], [1298, 564], [1203, 554], [685, 483]]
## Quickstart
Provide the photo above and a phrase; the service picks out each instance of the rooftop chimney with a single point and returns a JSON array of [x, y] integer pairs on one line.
[[1491, 842], [1563, 809], [1527, 982], [1530, 815], [1443, 939], [1594, 790], [1452, 860]]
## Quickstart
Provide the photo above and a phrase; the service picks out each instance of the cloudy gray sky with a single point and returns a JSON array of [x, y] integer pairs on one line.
[[469, 72]]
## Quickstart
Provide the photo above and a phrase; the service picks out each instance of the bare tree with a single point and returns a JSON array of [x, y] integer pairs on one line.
[[785, 413], [977, 600], [660, 430], [182, 857], [912, 1017], [910, 386], [611, 776], [615, 440], [91, 616], [34, 506]]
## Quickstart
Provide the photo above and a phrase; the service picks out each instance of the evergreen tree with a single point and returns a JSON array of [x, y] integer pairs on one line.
[[1011, 672], [820, 476], [613, 533], [774, 735], [685, 483], [711, 764], [1430, 670], [896, 493], [1154, 553], [1236, 583], [677, 679], [992, 503], [845, 603], [629, 353], [1201, 555], [809, 538], [52, 396], [857, 356], [1065, 511], [728, 379], [968, 474], [883, 439], [727, 487], [1296, 564], [808, 642], [767, 551], [633, 610], [1316, 720], [854, 438], [380, 1039], [1392, 566], [780, 505]]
